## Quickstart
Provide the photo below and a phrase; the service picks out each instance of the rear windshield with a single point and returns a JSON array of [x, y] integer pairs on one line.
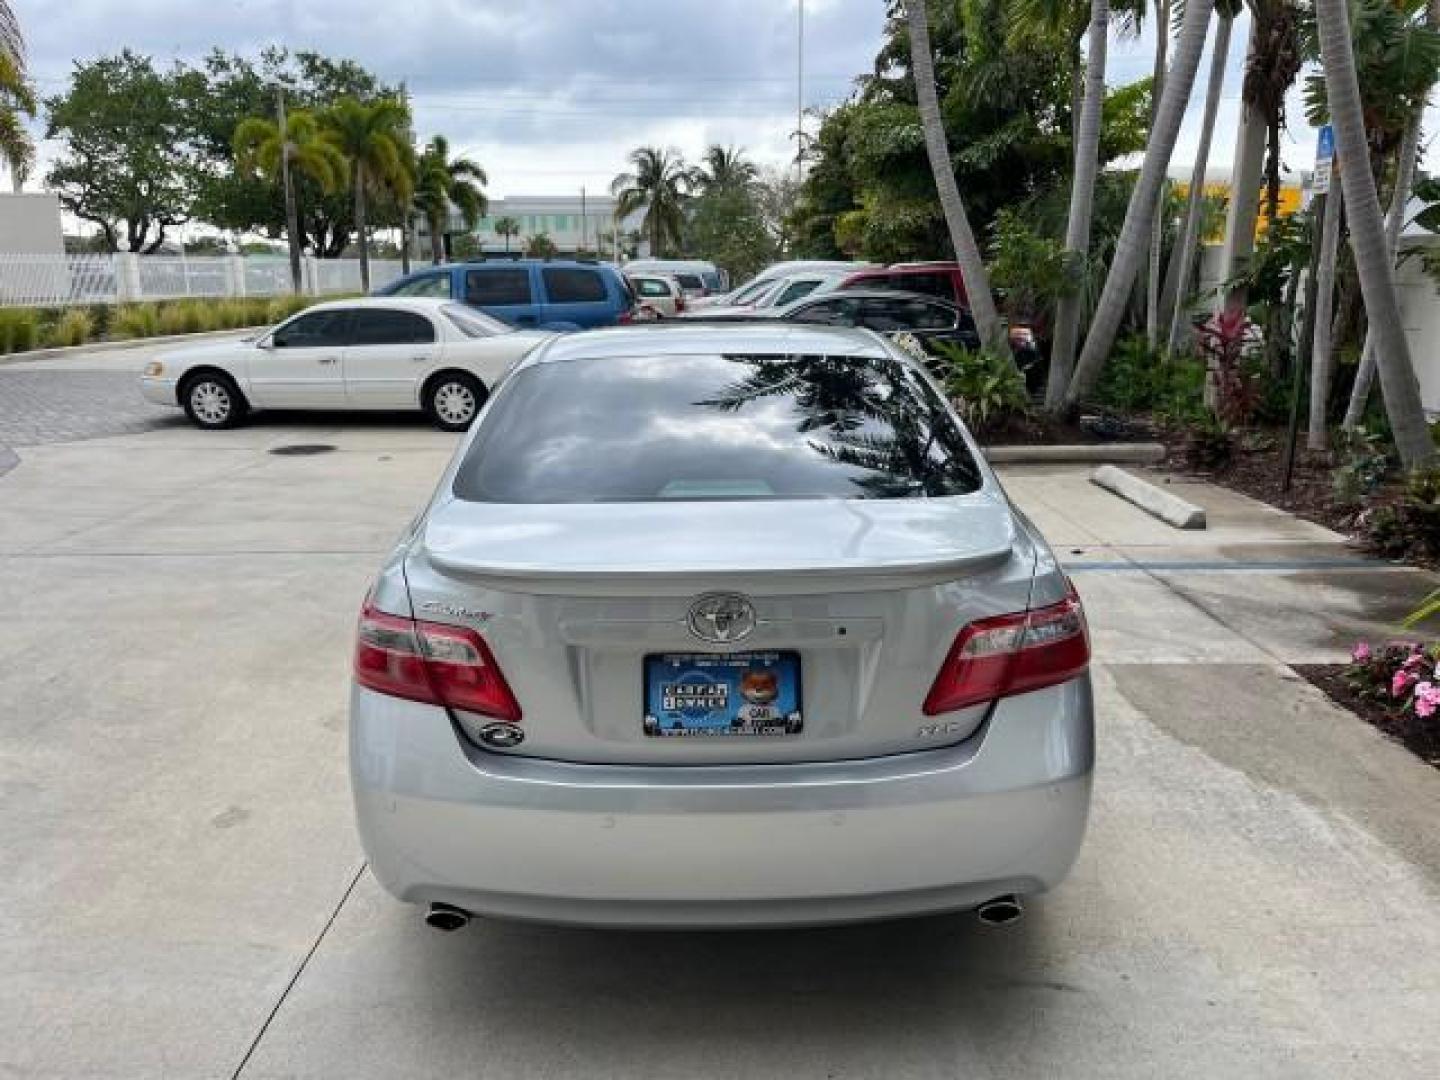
[[659, 428], [690, 281]]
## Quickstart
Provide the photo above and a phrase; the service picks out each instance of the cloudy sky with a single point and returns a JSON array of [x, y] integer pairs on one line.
[[550, 94]]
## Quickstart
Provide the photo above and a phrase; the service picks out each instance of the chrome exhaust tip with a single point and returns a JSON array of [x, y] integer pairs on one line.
[[1001, 911], [446, 917]]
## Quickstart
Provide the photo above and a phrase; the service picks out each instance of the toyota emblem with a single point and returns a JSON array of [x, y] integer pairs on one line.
[[721, 618]]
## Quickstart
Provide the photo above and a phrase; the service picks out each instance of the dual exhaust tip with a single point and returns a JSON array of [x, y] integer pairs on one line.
[[1001, 911]]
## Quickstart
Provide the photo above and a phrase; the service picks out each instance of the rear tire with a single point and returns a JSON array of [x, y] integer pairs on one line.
[[213, 401], [453, 400]]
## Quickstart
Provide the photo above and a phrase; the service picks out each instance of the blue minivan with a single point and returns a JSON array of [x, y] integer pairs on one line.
[[546, 294]]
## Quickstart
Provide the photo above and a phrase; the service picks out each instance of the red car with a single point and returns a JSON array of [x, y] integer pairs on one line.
[[940, 279]]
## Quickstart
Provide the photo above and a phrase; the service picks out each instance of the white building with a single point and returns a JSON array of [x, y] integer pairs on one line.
[[572, 222]]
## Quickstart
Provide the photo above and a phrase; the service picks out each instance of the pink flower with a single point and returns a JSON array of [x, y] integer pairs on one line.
[[1361, 652], [1414, 660], [1427, 699], [1401, 682]]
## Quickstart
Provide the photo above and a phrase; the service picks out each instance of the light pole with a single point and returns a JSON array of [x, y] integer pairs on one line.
[[800, 94]]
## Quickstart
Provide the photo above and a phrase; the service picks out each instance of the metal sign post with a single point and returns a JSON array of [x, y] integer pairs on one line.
[[1320, 190]]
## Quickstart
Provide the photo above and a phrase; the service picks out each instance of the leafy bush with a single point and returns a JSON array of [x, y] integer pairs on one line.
[[1209, 444], [986, 386], [1222, 342], [1139, 379], [1408, 528], [1364, 461], [19, 329], [75, 327]]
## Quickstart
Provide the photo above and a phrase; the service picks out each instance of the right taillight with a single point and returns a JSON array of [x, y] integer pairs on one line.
[[1012, 654], [435, 663]]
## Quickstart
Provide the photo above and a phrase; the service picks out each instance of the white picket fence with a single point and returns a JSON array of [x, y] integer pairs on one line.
[[57, 280]]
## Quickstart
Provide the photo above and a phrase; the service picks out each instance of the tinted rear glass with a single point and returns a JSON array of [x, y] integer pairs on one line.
[[569, 286], [498, 286], [658, 428], [381, 326]]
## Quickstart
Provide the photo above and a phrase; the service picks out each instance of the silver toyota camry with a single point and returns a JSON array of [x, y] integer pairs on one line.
[[720, 626]]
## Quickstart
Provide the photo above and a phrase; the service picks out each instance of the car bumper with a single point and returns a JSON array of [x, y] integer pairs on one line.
[[938, 830], [159, 391]]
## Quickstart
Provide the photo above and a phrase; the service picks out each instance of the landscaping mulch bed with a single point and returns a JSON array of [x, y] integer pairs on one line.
[[1257, 469], [1420, 735]]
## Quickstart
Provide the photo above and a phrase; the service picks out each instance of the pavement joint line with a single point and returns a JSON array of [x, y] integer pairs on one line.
[[1186, 598], [300, 970], [1220, 566]]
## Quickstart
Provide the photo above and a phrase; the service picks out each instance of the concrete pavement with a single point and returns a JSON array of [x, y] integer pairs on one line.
[[182, 894]]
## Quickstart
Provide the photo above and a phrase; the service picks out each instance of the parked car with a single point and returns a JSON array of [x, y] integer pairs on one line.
[[942, 279], [551, 294], [657, 296], [698, 277], [393, 353], [777, 292], [720, 626], [747, 292]]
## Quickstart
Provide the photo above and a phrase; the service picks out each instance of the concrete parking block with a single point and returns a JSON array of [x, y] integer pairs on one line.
[[1166, 506]]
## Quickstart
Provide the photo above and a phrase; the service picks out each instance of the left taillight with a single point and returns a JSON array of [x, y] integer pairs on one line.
[[431, 662], [1012, 654]]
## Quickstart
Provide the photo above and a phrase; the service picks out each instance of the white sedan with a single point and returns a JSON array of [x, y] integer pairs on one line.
[[372, 353]]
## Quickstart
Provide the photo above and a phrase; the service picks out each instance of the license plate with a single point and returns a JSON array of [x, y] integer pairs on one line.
[[707, 694]]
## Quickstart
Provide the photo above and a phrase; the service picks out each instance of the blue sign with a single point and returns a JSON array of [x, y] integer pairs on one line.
[[1325, 145]]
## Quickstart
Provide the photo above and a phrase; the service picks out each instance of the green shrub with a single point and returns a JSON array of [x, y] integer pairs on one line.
[[135, 321], [1409, 528], [231, 314], [19, 329], [1139, 379], [74, 327], [987, 387]]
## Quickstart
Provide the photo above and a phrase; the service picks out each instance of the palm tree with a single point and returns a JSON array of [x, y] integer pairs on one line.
[[1317, 438], [445, 182], [17, 99], [1367, 238], [1405, 162], [1272, 61], [1226, 10], [1394, 222], [370, 136], [505, 228], [1157, 222], [962, 237], [260, 148], [724, 169], [659, 184], [1082, 206], [1130, 248], [541, 247]]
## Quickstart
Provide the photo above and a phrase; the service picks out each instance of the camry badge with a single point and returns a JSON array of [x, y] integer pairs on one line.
[[721, 618]]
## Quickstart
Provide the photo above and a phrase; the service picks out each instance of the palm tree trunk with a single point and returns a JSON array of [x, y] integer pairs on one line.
[[1244, 206], [360, 232], [1367, 239], [1190, 235], [437, 244], [1130, 247], [1082, 208], [405, 240], [1157, 223], [1320, 345], [1394, 222], [967, 252]]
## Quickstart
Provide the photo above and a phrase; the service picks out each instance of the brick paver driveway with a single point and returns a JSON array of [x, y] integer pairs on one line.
[[38, 407]]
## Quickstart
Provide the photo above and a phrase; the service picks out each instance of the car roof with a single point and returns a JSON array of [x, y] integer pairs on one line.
[[903, 269], [429, 304], [698, 339], [873, 294]]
